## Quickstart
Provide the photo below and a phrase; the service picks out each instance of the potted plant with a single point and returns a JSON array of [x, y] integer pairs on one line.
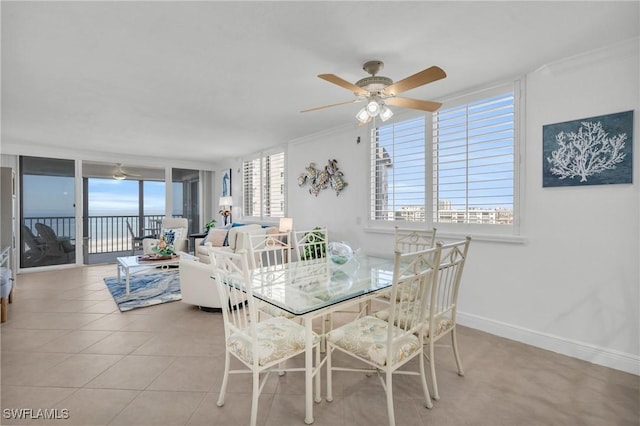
[[209, 225]]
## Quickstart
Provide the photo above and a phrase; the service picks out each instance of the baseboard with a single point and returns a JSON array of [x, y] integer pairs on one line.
[[595, 354]]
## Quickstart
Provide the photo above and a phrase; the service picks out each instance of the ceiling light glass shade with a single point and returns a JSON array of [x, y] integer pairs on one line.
[[363, 115], [385, 113], [118, 176], [373, 108]]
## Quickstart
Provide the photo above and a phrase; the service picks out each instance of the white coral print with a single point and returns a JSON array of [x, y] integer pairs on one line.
[[588, 152]]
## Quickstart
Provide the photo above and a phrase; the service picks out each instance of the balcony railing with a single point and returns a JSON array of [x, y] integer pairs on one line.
[[106, 234]]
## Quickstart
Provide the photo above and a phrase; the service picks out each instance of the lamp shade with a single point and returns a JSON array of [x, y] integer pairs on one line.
[[225, 201], [286, 224]]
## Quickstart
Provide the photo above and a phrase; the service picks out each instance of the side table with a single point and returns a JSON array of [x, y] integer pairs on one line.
[[192, 240]]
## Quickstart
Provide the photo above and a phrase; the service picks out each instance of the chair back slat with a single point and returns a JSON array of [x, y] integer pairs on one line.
[[413, 278], [311, 244], [444, 294], [410, 240], [231, 272], [269, 250]]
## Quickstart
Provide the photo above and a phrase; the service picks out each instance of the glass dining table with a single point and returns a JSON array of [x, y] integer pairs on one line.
[[314, 288]]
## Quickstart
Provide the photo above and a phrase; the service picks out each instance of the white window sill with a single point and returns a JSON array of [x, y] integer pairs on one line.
[[451, 235]]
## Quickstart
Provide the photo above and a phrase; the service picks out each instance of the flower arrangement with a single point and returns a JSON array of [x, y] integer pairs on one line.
[[164, 248]]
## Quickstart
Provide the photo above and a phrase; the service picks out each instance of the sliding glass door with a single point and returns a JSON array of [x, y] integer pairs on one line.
[[120, 202], [186, 196], [47, 212]]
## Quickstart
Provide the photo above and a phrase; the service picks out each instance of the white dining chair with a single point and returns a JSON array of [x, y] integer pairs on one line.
[[273, 251], [407, 240], [386, 346], [311, 243], [410, 240], [269, 249], [258, 345], [443, 305]]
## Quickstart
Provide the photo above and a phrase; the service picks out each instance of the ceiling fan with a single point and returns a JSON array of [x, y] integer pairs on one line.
[[381, 91], [120, 174]]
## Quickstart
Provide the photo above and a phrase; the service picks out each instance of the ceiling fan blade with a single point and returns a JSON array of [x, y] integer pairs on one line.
[[331, 78], [414, 104], [418, 79], [332, 105]]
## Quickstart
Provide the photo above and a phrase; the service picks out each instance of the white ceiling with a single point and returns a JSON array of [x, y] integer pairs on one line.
[[206, 81]]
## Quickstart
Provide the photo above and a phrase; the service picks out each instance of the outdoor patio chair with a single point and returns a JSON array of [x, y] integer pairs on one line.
[[136, 240], [54, 246], [34, 247]]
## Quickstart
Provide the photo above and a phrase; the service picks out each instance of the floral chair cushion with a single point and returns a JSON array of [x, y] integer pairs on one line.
[[273, 311], [367, 338], [277, 338], [442, 324]]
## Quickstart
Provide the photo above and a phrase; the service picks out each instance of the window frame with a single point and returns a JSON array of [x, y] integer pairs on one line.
[[261, 156], [484, 231]]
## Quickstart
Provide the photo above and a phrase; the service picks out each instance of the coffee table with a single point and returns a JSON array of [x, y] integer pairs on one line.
[[131, 265]]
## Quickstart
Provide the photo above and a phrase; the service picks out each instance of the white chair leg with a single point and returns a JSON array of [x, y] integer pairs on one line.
[[323, 342], [225, 380], [329, 382], [254, 398], [425, 388], [432, 364], [318, 375], [389, 385], [454, 343]]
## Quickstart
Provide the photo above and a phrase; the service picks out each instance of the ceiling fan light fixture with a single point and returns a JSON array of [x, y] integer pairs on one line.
[[119, 176], [373, 108], [363, 115], [385, 113]]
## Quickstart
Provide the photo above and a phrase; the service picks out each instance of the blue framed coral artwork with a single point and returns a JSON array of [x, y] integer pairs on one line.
[[590, 151]]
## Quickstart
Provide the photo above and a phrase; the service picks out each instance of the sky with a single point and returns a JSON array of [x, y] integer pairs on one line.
[[55, 196]]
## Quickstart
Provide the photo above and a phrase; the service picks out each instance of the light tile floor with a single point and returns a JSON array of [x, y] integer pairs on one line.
[[67, 347]]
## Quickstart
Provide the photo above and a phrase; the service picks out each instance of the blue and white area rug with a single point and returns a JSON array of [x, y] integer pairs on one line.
[[146, 290]]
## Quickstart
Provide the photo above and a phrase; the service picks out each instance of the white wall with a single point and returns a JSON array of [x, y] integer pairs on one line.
[[573, 285]]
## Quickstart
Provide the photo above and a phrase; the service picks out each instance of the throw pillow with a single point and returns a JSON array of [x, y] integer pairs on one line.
[[169, 236], [226, 240], [216, 237], [177, 233]]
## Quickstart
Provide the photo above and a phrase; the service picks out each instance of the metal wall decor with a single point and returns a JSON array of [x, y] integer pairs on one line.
[[591, 151], [320, 179]]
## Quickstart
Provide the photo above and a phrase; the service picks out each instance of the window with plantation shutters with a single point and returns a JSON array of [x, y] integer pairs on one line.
[[473, 162], [398, 171], [263, 186], [453, 169]]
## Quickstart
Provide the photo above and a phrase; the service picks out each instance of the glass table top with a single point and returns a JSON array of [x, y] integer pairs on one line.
[[307, 286]]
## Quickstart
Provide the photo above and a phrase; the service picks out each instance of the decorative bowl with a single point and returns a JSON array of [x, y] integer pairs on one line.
[[339, 252]]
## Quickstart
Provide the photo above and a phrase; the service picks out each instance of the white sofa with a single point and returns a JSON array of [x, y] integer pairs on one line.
[[237, 239]]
